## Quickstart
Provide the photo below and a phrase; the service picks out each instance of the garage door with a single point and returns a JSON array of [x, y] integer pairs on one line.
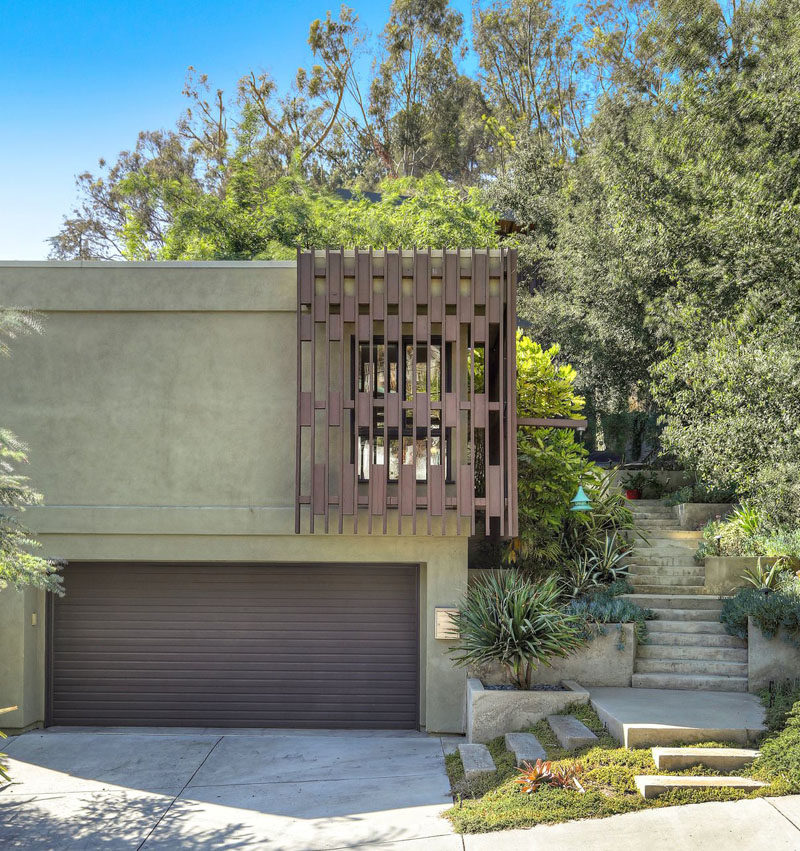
[[236, 645]]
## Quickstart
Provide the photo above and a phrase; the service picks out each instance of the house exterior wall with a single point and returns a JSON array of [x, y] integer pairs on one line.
[[159, 408]]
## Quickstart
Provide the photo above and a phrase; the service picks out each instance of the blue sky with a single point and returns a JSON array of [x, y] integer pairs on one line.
[[78, 80]]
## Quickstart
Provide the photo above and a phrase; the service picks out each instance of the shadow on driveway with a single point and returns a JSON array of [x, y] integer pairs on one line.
[[190, 790]]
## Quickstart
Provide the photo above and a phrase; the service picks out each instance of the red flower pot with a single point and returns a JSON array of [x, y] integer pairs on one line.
[[633, 493]]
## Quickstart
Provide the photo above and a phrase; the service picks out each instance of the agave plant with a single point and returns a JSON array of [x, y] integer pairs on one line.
[[747, 518], [607, 557], [533, 776], [763, 577], [508, 619], [579, 577], [567, 776]]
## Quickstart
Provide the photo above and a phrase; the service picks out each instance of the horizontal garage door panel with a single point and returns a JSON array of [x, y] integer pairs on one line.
[[237, 645]]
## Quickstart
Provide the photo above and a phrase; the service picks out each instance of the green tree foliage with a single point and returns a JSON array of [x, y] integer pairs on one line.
[[19, 567], [292, 214], [646, 150], [550, 462]]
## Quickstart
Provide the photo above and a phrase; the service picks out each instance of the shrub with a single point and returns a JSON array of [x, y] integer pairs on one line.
[[507, 618], [778, 701], [600, 608], [703, 493], [596, 567], [770, 611], [780, 754], [746, 533]]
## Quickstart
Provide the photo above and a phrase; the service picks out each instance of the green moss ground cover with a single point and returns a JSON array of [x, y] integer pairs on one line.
[[495, 803]]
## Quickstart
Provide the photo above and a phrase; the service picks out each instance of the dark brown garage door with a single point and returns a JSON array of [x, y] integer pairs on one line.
[[238, 645]]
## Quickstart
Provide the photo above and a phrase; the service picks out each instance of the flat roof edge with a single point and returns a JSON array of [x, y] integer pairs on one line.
[[150, 264]]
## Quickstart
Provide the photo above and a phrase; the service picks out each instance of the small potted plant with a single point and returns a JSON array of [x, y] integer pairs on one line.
[[635, 485]]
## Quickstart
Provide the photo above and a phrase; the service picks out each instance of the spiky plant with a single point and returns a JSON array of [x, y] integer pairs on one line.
[[506, 618]]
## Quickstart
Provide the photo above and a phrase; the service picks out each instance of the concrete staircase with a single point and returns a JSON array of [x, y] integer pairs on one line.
[[688, 647]]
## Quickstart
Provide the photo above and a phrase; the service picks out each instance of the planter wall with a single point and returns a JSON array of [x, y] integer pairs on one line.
[[493, 713], [724, 573], [695, 515], [606, 661], [769, 659]]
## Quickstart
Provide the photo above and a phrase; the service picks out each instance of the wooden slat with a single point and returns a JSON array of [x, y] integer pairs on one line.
[[331, 278]]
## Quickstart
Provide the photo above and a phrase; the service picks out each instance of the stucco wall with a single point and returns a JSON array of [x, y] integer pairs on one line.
[[770, 659], [159, 408], [607, 660]]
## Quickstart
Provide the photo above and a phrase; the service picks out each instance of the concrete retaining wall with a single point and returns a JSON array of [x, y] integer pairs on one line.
[[724, 574], [769, 659], [606, 661], [695, 515], [493, 713]]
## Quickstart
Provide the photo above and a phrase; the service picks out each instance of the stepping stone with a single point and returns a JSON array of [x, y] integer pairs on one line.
[[570, 732], [476, 760], [525, 747], [720, 759], [653, 785]]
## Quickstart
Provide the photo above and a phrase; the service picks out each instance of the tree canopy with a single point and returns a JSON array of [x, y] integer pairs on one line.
[[645, 149]]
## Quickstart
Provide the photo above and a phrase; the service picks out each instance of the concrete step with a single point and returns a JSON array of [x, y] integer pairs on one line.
[[699, 667], [654, 556], [667, 579], [691, 651], [653, 785], [570, 732], [687, 614], [669, 601], [675, 535], [654, 589], [685, 558], [525, 747], [659, 638], [690, 682], [476, 760], [690, 628], [679, 548], [644, 524], [668, 570], [641, 518], [719, 759]]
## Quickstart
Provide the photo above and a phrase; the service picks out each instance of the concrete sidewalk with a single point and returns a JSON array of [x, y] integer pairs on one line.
[[761, 824]]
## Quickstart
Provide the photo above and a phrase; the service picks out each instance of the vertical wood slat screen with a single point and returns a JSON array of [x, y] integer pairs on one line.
[[406, 391]]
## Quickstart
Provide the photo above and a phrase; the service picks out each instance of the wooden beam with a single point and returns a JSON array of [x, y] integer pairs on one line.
[[544, 422]]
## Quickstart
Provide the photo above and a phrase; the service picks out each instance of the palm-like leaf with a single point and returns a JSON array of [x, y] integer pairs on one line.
[[505, 618]]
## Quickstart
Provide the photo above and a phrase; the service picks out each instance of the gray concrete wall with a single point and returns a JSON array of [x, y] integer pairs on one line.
[[607, 660], [723, 574], [695, 515], [159, 408], [769, 659]]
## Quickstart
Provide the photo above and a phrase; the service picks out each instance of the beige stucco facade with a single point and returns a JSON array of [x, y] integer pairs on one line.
[[159, 408]]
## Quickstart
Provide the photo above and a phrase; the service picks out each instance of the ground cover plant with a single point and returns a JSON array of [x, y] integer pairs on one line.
[[495, 802], [748, 531], [606, 606], [702, 492], [771, 611]]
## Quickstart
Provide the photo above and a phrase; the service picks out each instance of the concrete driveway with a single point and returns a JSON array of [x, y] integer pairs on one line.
[[225, 789]]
